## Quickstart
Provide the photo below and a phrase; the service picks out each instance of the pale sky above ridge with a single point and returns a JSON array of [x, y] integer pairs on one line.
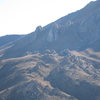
[[23, 16]]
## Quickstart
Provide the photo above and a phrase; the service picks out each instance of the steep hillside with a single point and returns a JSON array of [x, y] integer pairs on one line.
[[75, 32], [4, 40], [50, 76]]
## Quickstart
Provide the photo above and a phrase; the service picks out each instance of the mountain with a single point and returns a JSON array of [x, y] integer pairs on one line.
[[23, 79], [60, 61], [50, 76], [4, 40], [75, 32], [79, 29], [95, 45]]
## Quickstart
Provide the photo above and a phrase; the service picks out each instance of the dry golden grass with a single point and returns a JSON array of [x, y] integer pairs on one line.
[[83, 55]]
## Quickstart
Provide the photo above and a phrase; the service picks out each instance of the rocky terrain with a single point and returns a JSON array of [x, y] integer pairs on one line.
[[50, 76], [60, 61], [76, 31]]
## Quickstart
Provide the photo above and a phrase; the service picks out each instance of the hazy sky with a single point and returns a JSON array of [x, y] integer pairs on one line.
[[23, 16]]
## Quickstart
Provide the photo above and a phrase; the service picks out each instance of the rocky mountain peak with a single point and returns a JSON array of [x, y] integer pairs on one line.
[[39, 29], [75, 31]]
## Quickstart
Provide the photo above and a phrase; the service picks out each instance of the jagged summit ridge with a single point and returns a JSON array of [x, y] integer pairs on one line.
[[75, 31]]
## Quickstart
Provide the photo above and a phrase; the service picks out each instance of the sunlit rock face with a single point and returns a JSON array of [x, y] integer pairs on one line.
[[53, 33]]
